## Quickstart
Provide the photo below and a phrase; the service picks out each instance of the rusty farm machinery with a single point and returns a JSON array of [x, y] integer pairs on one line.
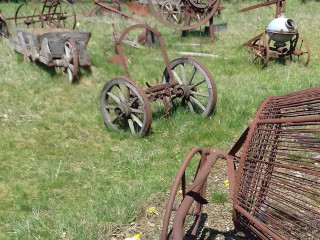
[[273, 172], [279, 40], [52, 13], [185, 15], [125, 105]]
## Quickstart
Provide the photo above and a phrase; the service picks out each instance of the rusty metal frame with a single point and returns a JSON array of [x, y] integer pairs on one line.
[[283, 127]]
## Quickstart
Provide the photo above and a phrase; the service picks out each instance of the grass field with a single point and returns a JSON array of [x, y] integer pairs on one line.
[[64, 175]]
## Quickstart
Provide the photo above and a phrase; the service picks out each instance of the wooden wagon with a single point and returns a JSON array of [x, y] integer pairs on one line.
[[55, 48]]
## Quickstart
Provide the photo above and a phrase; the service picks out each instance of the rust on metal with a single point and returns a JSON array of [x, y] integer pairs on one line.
[[184, 78], [186, 15], [261, 49], [274, 183], [137, 8]]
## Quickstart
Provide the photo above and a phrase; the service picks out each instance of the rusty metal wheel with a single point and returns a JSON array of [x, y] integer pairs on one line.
[[171, 11], [196, 84], [61, 15], [300, 50], [28, 16], [70, 57], [260, 52], [186, 175], [191, 17], [124, 105]]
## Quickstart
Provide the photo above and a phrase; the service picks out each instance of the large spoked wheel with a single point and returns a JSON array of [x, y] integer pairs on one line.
[[171, 11], [185, 177], [300, 51], [191, 17], [259, 52], [124, 105], [196, 86], [61, 15], [70, 57], [28, 16]]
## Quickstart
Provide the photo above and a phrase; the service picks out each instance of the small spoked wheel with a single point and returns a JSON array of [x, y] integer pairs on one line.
[[28, 16], [3, 26], [61, 15], [124, 105], [300, 51], [196, 87], [70, 57], [171, 11], [185, 177], [259, 52]]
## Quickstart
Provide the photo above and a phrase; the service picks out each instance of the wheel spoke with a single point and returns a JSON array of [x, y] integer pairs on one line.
[[198, 103], [131, 126], [110, 107], [114, 119], [198, 83], [133, 101], [194, 70], [183, 73], [116, 99], [177, 77], [122, 98], [136, 119], [200, 94], [71, 67], [190, 106], [134, 110]]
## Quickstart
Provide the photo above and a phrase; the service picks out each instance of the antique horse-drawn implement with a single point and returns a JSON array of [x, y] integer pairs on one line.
[[55, 47], [273, 172], [283, 34], [53, 13], [124, 104], [186, 14]]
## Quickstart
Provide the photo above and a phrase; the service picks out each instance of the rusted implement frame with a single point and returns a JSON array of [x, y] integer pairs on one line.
[[262, 52], [171, 12], [54, 47], [53, 13], [101, 4], [173, 86], [274, 183]]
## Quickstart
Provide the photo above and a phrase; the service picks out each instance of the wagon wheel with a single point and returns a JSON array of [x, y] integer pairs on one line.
[[124, 105], [186, 175], [201, 4], [198, 16], [259, 52], [61, 15], [171, 11], [28, 15], [70, 57], [195, 84], [300, 50]]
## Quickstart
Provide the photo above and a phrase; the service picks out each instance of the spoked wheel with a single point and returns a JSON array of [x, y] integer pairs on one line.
[[300, 50], [124, 105], [187, 13], [28, 16], [259, 52], [171, 11], [196, 86], [186, 175], [62, 15], [70, 57]]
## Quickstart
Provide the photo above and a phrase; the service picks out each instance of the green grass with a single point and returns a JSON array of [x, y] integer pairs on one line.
[[63, 172], [219, 197]]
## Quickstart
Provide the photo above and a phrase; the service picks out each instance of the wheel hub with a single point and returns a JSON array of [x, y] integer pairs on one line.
[[123, 110], [185, 91]]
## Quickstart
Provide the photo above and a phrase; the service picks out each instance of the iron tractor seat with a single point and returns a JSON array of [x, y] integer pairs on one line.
[[273, 170]]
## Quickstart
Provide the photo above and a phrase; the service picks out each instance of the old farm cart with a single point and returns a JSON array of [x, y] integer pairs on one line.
[[53, 13], [125, 105], [279, 40], [55, 47], [273, 171], [185, 15]]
